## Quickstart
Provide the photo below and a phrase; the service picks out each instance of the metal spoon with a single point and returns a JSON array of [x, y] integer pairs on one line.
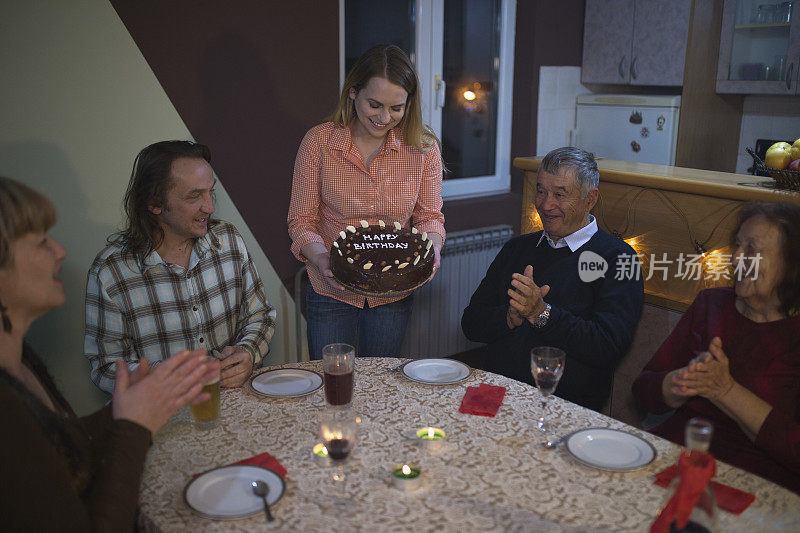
[[554, 443], [261, 489], [398, 367]]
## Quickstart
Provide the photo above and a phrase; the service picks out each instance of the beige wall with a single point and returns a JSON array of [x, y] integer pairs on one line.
[[77, 102]]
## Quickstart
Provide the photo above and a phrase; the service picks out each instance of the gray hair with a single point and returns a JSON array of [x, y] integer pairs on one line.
[[581, 162]]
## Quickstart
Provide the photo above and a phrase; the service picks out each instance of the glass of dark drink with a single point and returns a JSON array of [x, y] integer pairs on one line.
[[338, 429], [338, 365], [547, 366]]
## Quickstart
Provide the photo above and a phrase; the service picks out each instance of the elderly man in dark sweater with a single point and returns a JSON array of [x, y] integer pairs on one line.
[[572, 286]]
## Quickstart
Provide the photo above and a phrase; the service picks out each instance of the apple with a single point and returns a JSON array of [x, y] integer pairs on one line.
[[794, 165], [795, 151], [780, 145], [778, 155]]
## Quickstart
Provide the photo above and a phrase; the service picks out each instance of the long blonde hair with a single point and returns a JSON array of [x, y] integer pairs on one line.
[[389, 62]]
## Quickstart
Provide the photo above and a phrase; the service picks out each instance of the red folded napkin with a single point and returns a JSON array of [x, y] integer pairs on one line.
[[265, 460], [483, 400], [732, 500]]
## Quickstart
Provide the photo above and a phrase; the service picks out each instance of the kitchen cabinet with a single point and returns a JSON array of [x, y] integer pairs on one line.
[[759, 51], [635, 42]]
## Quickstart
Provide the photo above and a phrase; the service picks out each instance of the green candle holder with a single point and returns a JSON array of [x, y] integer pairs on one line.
[[432, 438], [407, 477], [320, 451]]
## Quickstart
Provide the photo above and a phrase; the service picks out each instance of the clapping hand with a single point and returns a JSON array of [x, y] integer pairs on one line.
[[707, 375], [150, 396], [526, 298]]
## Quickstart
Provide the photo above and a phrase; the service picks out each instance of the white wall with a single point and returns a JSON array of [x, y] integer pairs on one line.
[[78, 102], [766, 117], [558, 89]]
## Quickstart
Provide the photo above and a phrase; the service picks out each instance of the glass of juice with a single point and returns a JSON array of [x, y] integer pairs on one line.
[[206, 414], [338, 365]]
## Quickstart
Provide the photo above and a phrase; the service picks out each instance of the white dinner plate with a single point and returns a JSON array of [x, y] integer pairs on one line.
[[226, 492], [286, 382], [610, 449], [436, 371]]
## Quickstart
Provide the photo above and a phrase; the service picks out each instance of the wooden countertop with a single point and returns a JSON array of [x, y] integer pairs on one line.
[[741, 187]]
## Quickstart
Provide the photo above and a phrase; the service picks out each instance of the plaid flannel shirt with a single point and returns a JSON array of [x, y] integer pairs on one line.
[[153, 309], [331, 189]]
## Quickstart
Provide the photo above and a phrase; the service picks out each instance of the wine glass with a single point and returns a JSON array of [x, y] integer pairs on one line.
[[547, 366], [338, 429]]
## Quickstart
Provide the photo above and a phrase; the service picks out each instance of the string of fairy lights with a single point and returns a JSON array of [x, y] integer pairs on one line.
[[714, 261]]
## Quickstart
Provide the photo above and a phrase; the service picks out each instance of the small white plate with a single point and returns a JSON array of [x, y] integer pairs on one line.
[[286, 382], [436, 371], [226, 492], [610, 449]]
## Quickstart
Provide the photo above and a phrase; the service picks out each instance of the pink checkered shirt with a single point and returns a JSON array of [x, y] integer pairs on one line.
[[332, 189]]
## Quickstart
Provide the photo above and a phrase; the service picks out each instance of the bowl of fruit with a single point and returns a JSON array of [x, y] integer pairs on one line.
[[782, 163]]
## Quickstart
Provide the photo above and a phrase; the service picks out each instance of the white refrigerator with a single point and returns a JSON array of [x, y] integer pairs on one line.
[[642, 129]]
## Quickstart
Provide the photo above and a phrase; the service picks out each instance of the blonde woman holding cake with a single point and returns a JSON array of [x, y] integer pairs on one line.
[[373, 161]]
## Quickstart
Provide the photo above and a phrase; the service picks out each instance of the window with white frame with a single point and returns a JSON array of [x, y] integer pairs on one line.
[[464, 54]]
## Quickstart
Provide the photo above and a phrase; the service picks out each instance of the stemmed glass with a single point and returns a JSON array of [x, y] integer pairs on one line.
[[547, 366], [338, 429]]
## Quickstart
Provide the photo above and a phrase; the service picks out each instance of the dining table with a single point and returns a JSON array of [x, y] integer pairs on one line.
[[489, 474]]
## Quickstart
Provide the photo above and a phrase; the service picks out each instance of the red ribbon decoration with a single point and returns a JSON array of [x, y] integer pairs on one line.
[[695, 470]]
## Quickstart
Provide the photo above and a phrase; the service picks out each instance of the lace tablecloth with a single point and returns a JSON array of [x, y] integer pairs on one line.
[[489, 475]]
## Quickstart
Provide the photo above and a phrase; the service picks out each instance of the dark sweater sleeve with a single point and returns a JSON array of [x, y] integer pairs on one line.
[[484, 319], [29, 459], [114, 493], [36, 491], [674, 353], [600, 338], [779, 436], [98, 424]]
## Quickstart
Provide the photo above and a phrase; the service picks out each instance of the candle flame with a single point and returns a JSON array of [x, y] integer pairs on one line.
[[406, 470], [431, 433]]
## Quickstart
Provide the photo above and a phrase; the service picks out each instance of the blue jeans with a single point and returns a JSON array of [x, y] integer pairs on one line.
[[379, 330]]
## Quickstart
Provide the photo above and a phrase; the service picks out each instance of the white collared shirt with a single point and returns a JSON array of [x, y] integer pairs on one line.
[[575, 239]]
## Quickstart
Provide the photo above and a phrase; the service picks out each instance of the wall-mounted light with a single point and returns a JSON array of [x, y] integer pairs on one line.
[[533, 218]]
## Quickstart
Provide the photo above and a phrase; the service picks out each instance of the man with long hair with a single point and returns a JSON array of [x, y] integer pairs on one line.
[[175, 278]]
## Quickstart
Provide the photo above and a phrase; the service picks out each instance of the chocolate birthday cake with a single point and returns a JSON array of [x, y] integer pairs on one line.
[[382, 259]]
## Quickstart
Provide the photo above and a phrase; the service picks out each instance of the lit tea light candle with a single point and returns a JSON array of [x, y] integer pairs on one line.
[[407, 477], [320, 450], [431, 437]]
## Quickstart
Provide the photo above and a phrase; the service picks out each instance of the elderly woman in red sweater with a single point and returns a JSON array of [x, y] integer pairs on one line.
[[734, 357]]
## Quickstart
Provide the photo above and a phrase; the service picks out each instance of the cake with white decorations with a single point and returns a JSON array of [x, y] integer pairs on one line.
[[382, 259]]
